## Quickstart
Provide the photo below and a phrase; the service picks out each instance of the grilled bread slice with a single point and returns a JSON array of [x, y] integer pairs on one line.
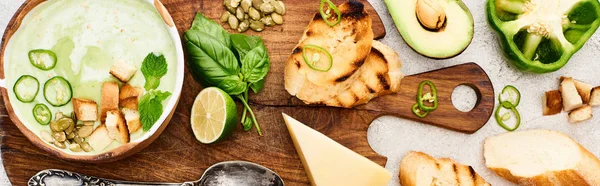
[[117, 129], [541, 157], [85, 110], [362, 68], [420, 169]]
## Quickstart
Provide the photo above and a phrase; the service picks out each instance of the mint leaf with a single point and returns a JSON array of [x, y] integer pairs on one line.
[[154, 67], [151, 108]]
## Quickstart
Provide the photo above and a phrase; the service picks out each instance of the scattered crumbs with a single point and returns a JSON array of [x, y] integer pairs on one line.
[[122, 30], [99, 41], [132, 39], [89, 26]]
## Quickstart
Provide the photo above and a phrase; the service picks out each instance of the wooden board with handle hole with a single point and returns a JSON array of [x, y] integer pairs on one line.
[[176, 156]]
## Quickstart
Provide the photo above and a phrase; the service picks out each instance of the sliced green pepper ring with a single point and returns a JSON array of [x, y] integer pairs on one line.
[[499, 118], [42, 59], [42, 114], [327, 15], [417, 111], [514, 96], [312, 63], [420, 100]]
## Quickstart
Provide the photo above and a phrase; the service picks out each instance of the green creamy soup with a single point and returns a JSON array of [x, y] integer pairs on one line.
[[88, 36]]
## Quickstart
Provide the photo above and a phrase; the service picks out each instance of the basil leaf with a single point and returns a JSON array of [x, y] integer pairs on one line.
[[256, 87], [244, 43], [233, 85], [211, 28], [209, 60], [255, 65]]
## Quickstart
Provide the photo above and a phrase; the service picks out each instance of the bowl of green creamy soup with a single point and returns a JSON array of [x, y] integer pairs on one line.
[[91, 80]]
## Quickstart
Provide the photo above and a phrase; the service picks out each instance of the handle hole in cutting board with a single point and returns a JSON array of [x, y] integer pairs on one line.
[[465, 97]]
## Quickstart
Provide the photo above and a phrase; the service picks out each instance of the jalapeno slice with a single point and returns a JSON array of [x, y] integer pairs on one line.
[[42, 59], [500, 119], [417, 111], [314, 62], [421, 99], [42, 114], [326, 12], [57, 91], [510, 94], [26, 88]]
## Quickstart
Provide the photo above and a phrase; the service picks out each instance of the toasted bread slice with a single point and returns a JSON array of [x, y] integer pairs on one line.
[[132, 117], [570, 96], [85, 110], [541, 157], [122, 71], [552, 103], [109, 99], [130, 103], [127, 91], [99, 139], [380, 74], [584, 90], [117, 129], [580, 114], [595, 98], [420, 169]]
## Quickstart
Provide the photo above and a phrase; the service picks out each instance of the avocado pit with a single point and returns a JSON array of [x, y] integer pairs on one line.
[[430, 14]]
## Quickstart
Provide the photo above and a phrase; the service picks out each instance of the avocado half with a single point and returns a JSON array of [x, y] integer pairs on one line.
[[448, 41]]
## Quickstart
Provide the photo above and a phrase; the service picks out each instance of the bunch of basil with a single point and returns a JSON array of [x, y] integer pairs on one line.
[[235, 63]]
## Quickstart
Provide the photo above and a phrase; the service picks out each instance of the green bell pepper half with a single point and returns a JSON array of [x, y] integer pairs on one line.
[[528, 30]]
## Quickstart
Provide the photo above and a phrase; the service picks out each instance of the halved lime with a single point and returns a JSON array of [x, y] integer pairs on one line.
[[214, 115]]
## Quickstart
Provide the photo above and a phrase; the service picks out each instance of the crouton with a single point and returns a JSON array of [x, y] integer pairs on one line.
[[117, 129], [85, 110], [580, 114], [570, 96], [122, 71], [99, 138], [130, 103], [552, 103], [584, 90], [110, 98], [133, 119], [595, 97], [128, 91]]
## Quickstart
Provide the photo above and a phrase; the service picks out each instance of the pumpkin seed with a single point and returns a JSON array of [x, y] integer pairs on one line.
[[282, 10], [60, 144], [86, 147], [225, 16], [267, 20], [60, 136], [243, 26], [46, 136], [257, 26], [267, 8], [239, 13], [71, 135], [277, 18], [246, 4], [235, 3], [78, 140], [85, 131], [254, 14], [75, 147], [277, 7], [256, 4], [233, 22]]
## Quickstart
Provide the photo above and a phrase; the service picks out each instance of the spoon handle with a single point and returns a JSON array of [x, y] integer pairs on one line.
[[57, 177]]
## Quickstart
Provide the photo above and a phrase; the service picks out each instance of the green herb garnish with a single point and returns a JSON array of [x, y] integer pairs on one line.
[[154, 67], [235, 63], [151, 108]]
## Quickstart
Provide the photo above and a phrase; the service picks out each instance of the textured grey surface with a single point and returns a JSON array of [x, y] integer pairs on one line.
[[393, 137]]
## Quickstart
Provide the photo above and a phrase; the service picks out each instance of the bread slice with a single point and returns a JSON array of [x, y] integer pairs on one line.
[[570, 96], [580, 114], [132, 117], [552, 103], [541, 157], [110, 98], [130, 103], [420, 169], [122, 71], [127, 91], [99, 139], [85, 110], [117, 129], [595, 97], [584, 90]]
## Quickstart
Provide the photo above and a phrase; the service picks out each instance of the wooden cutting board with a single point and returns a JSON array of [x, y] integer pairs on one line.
[[176, 156]]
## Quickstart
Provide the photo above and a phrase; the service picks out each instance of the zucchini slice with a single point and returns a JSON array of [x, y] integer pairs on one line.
[[42, 114], [57, 91], [26, 88]]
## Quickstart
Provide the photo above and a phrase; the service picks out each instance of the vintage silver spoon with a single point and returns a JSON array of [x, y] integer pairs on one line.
[[230, 173]]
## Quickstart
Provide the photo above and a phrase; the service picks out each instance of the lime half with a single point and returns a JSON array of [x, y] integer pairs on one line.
[[214, 115]]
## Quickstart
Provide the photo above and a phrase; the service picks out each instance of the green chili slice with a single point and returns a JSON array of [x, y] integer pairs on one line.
[[513, 95], [421, 100], [327, 15], [42, 114], [42, 59], [501, 118], [420, 113], [314, 63], [26, 88]]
